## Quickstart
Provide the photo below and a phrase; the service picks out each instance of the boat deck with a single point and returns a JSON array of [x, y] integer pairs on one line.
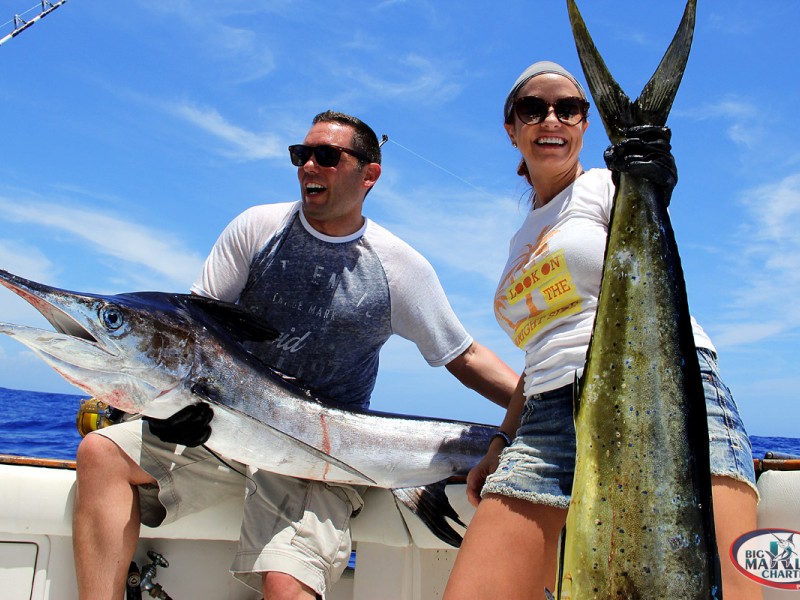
[[397, 557]]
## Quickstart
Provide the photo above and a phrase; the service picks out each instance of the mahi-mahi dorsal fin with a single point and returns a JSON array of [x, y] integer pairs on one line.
[[653, 105]]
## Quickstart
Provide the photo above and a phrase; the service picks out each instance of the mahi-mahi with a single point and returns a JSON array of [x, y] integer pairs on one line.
[[640, 521]]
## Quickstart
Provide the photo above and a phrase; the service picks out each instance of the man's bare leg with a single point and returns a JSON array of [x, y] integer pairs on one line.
[[281, 586], [105, 524]]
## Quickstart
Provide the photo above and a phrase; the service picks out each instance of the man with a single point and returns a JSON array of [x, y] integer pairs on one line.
[[336, 286]]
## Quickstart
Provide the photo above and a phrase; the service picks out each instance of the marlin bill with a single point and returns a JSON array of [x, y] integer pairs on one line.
[[152, 353]]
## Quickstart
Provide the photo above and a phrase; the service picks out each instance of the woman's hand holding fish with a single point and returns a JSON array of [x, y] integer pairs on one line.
[[478, 474], [645, 152]]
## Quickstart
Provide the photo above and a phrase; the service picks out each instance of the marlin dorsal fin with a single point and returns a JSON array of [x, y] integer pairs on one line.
[[240, 324]]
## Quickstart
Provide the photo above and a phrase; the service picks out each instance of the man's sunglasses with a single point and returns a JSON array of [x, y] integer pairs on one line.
[[325, 155], [532, 109]]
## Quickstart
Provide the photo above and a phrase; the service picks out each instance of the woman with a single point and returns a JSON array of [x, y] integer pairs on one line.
[[509, 550]]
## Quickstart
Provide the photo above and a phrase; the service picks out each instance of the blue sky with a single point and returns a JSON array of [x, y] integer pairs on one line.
[[132, 132]]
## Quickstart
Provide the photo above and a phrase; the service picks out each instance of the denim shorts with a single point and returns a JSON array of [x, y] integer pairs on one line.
[[539, 465]]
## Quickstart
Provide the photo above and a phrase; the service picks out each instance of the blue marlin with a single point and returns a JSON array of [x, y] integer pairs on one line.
[[153, 353]]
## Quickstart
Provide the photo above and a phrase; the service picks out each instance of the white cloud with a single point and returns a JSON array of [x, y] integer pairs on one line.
[[744, 333], [243, 143], [765, 303], [741, 117], [243, 49], [637, 37], [775, 209], [110, 235], [743, 129], [414, 77], [734, 109], [22, 258], [389, 3], [22, 369], [237, 43], [731, 23]]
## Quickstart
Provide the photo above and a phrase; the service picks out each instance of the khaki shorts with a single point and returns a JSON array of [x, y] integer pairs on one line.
[[290, 525]]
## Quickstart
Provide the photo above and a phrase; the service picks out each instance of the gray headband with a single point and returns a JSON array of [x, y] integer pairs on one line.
[[539, 68]]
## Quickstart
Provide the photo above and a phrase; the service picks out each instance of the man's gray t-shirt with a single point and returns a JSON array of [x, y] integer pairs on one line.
[[334, 301]]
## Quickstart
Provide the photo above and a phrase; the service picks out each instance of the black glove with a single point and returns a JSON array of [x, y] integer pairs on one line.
[[645, 152], [187, 427]]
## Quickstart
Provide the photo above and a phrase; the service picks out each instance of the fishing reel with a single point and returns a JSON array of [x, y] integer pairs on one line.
[[143, 581], [94, 414]]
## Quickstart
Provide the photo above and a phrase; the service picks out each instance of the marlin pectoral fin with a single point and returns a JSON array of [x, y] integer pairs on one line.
[[201, 391], [431, 505], [242, 325], [653, 105], [322, 455]]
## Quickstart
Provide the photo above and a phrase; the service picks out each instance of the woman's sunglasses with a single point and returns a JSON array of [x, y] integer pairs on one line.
[[532, 109], [325, 155]]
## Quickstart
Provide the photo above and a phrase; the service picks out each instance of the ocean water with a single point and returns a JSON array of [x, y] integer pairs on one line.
[[38, 424], [43, 425]]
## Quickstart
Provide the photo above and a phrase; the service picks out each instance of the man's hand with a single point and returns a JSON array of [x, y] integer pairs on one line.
[[187, 427]]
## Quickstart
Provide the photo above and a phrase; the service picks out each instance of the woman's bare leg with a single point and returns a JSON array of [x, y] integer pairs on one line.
[[509, 551]]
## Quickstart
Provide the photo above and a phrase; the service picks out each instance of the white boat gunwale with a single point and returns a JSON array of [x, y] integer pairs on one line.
[[397, 557]]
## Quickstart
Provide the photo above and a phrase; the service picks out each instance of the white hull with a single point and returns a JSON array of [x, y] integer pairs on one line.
[[397, 558]]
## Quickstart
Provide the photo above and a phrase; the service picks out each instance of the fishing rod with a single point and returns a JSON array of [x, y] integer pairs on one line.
[[21, 24]]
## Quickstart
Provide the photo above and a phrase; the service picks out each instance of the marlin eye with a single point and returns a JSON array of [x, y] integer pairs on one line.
[[112, 318]]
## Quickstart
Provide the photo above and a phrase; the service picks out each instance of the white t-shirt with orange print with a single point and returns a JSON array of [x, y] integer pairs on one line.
[[547, 297]]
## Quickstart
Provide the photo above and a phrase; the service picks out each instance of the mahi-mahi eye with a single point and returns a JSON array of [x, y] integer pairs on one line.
[[112, 318]]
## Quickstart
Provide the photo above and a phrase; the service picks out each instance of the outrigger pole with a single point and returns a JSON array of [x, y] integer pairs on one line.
[[21, 24]]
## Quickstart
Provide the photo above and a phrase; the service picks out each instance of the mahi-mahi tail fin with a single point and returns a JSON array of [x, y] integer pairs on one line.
[[653, 105], [657, 97], [431, 505], [613, 104]]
